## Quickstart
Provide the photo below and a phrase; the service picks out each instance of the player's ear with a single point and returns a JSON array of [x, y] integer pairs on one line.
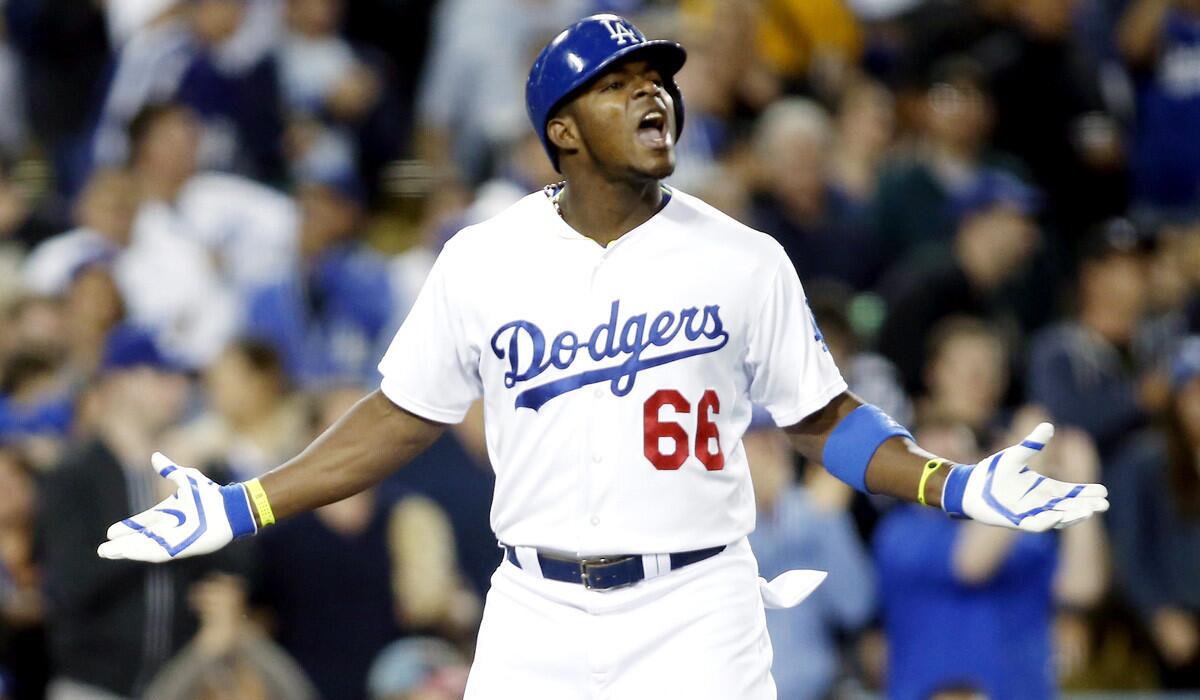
[[563, 132]]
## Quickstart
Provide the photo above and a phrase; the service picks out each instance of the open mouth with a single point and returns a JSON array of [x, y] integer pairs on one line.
[[652, 130]]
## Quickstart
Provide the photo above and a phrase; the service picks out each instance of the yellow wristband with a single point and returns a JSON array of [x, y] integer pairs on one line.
[[930, 467], [259, 498]]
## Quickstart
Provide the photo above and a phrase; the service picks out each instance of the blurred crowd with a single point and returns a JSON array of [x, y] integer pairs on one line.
[[214, 214]]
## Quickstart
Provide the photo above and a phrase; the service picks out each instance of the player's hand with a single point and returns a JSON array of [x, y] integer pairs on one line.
[[200, 518], [1002, 490]]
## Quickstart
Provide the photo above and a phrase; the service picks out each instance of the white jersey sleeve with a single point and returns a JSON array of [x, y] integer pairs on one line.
[[430, 368], [792, 372]]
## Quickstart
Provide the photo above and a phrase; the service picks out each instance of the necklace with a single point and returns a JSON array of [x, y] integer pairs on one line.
[[554, 192]]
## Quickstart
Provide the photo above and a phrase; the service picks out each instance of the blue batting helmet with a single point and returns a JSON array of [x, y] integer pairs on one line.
[[583, 51]]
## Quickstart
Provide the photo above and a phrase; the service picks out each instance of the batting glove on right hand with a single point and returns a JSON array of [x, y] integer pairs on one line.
[[1002, 490], [201, 517]]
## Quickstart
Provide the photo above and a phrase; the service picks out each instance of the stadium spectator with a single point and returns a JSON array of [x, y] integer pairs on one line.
[[167, 278], [33, 406], [12, 115], [104, 214], [247, 228], [328, 81], [523, 168], [22, 608], [36, 399], [823, 230], [176, 56], [228, 657], [33, 325], [26, 218], [1155, 522], [66, 85], [868, 374], [810, 43], [995, 240], [349, 578], [420, 668], [1051, 113], [913, 211], [994, 592], [966, 376], [1160, 39], [330, 314], [863, 131], [469, 100], [113, 624], [252, 423], [93, 307], [806, 526], [1091, 371]]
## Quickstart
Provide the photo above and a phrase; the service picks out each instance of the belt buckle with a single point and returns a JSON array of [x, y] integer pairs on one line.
[[585, 566]]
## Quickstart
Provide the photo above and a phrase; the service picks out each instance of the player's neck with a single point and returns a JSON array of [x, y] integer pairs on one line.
[[604, 210]]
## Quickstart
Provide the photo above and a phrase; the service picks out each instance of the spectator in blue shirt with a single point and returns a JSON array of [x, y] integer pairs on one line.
[[807, 526], [964, 604], [330, 316], [1160, 40], [1091, 371]]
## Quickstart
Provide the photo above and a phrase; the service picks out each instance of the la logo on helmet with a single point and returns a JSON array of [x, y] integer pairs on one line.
[[619, 31]]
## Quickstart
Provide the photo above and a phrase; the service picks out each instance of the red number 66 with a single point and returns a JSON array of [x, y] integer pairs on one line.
[[706, 430]]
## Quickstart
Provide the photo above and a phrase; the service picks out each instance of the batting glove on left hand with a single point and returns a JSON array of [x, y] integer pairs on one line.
[[201, 517], [1002, 490]]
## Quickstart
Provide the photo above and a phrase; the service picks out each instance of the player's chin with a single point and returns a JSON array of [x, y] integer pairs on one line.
[[657, 165]]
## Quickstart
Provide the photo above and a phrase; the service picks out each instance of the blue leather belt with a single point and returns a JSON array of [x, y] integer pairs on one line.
[[603, 573]]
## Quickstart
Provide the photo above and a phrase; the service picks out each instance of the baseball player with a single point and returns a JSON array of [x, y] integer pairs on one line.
[[619, 332]]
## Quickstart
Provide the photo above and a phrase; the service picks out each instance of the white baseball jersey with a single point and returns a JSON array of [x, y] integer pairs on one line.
[[618, 380]]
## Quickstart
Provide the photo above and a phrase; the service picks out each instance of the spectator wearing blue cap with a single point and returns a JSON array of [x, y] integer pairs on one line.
[[1155, 525], [1097, 371], [111, 625], [996, 238], [330, 313]]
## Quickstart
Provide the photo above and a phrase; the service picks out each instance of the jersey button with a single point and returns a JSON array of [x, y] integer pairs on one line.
[[597, 459], [598, 393], [595, 521]]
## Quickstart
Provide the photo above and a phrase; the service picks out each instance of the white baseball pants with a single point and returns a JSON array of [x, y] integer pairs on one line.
[[697, 633]]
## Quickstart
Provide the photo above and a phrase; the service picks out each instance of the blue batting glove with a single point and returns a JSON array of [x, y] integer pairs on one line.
[[201, 517], [1002, 490]]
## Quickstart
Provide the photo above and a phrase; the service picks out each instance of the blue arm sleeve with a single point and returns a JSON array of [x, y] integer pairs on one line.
[[853, 442]]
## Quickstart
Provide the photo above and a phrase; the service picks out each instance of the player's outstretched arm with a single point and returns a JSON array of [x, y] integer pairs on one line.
[[868, 450], [374, 438]]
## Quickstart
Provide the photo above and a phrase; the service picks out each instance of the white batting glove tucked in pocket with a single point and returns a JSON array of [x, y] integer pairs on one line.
[[201, 517], [789, 589]]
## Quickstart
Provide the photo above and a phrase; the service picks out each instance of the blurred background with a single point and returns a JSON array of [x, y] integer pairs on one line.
[[215, 213]]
